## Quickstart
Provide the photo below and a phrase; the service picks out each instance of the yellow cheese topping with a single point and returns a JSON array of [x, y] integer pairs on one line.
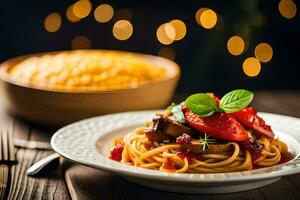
[[87, 70]]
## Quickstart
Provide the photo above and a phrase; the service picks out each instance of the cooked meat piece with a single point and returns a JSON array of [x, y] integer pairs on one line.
[[212, 148], [169, 126], [165, 129], [156, 137]]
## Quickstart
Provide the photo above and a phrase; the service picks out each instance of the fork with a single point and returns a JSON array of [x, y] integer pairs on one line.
[[7, 149], [7, 158]]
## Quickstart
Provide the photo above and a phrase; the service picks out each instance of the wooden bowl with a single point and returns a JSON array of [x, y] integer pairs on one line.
[[57, 108]]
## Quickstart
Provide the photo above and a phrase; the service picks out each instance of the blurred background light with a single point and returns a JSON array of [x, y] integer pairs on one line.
[[287, 8], [70, 14], [166, 34], [52, 22], [235, 45], [82, 8], [263, 52], [251, 67], [198, 14], [206, 17], [103, 13], [180, 29], [81, 42], [167, 53], [237, 29], [122, 30]]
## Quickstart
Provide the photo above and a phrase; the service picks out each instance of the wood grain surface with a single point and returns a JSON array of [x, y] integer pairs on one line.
[[79, 182], [17, 185]]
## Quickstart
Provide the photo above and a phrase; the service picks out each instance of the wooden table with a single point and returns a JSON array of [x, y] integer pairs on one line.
[[80, 182]]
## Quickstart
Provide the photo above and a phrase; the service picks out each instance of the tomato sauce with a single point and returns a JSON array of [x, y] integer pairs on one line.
[[116, 152], [285, 157], [170, 165]]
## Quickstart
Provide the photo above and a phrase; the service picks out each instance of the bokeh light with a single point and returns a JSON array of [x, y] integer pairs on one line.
[[52, 22], [82, 8], [122, 30], [251, 67], [103, 13], [70, 14], [198, 14], [235, 45], [287, 8], [263, 52], [167, 53], [207, 18], [166, 34], [81, 42], [180, 29]]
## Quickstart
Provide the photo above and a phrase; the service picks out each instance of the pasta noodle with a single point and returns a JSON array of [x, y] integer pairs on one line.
[[139, 151]]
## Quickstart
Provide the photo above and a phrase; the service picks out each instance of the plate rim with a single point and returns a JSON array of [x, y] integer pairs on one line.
[[168, 176]]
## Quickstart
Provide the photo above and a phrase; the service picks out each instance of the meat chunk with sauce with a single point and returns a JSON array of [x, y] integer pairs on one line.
[[165, 128]]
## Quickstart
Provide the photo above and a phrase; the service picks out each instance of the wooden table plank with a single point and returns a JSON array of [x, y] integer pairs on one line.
[[21, 186], [294, 180], [88, 183], [25, 187], [246, 195], [280, 190]]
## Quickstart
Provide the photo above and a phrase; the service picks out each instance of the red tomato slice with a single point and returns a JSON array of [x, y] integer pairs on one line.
[[219, 125], [116, 152], [249, 118]]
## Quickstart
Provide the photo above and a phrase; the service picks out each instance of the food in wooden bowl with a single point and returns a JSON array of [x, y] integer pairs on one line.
[[57, 88]]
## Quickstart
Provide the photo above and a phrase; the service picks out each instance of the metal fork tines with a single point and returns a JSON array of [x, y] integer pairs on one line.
[[7, 149]]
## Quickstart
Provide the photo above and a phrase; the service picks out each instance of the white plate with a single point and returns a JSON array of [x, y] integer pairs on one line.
[[88, 142]]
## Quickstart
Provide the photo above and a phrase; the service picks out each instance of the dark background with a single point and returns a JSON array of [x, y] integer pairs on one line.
[[205, 61]]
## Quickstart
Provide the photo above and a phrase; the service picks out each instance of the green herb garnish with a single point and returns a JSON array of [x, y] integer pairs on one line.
[[201, 104], [177, 112], [204, 105], [206, 141], [235, 100]]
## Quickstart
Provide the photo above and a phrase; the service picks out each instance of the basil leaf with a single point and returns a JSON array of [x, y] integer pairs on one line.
[[201, 104], [236, 100], [178, 114]]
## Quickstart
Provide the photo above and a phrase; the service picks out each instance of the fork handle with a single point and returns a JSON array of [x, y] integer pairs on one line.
[[35, 168]]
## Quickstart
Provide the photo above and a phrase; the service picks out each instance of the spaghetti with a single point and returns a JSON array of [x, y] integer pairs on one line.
[[139, 151]]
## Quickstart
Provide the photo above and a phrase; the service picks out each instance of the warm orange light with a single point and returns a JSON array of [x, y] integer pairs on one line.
[[166, 34], [180, 29], [122, 30], [235, 45], [103, 13], [263, 52], [81, 42], [82, 8], [287, 8], [70, 14], [198, 14], [167, 53], [251, 67], [206, 17], [52, 22]]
